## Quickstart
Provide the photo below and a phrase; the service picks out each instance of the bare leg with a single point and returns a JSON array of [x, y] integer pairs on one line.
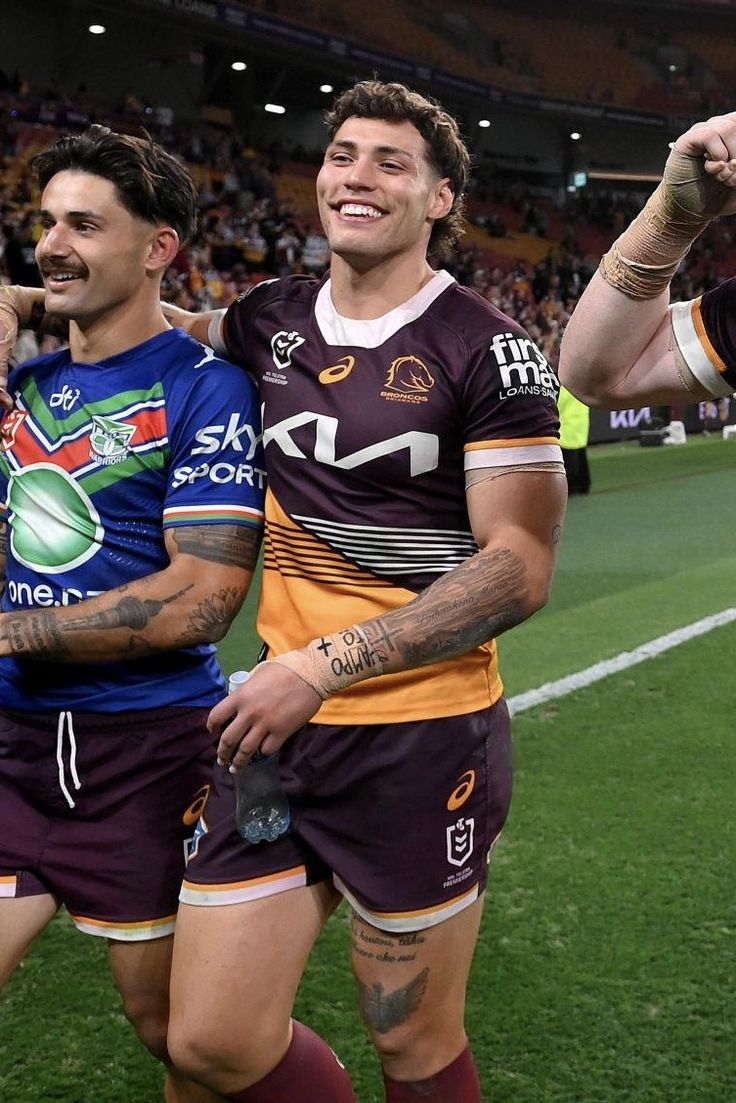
[[412, 992], [235, 975], [22, 919], [141, 971]]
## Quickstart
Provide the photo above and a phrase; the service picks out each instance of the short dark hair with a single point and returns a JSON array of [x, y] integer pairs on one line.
[[150, 183], [394, 102]]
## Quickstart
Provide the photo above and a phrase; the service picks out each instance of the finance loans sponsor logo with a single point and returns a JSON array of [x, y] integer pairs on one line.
[[423, 448], [460, 841], [110, 440], [522, 367], [339, 371], [408, 380], [462, 791], [54, 526]]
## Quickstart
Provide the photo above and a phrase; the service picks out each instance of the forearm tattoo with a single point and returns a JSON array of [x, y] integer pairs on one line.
[[228, 545], [42, 632], [472, 604], [211, 619]]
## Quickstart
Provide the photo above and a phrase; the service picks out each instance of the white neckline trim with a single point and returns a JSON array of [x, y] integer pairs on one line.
[[370, 333]]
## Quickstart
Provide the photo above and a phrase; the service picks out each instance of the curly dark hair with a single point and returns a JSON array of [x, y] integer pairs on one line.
[[375, 99], [150, 183]]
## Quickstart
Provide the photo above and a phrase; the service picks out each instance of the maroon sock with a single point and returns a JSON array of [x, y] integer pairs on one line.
[[308, 1071], [457, 1083]]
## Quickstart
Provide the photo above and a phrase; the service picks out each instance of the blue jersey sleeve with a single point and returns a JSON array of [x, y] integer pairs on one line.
[[216, 469]]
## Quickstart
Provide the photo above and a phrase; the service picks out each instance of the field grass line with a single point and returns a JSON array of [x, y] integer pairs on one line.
[[552, 691]]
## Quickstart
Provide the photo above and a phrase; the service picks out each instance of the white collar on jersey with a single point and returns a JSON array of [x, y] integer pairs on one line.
[[370, 333]]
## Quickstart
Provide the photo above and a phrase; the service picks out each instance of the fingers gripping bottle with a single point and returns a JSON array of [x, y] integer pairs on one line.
[[261, 805]]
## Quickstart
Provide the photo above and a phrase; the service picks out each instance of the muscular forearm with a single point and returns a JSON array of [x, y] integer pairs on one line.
[[477, 601], [161, 612]]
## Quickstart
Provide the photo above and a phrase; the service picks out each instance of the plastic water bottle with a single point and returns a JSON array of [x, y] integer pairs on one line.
[[261, 805]]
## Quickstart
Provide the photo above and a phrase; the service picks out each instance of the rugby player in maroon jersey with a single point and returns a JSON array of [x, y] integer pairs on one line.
[[416, 494]]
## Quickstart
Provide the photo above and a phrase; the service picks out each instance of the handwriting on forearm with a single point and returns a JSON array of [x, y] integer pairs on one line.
[[470, 605]]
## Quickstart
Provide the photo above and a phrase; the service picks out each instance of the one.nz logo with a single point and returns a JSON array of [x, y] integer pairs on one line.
[[110, 440], [522, 367]]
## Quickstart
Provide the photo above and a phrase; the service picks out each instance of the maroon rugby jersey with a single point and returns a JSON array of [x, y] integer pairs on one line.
[[369, 427], [705, 330]]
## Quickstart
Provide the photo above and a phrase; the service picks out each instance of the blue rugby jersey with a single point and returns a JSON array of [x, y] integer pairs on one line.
[[96, 462]]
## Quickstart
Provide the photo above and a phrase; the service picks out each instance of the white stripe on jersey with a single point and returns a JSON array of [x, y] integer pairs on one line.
[[512, 456], [692, 349], [392, 551]]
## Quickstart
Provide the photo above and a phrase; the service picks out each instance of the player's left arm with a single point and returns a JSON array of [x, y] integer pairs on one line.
[[516, 519], [191, 601]]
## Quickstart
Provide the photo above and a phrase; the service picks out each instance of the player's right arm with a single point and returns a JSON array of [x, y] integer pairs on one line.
[[20, 307], [205, 327], [620, 347]]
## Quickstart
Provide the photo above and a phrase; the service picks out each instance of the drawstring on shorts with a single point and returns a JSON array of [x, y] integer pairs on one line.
[[65, 723]]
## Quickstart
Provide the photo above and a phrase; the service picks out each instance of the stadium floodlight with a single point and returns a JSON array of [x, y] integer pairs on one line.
[[484, 123], [326, 88], [238, 66], [274, 108], [576, 136], [96, 28]]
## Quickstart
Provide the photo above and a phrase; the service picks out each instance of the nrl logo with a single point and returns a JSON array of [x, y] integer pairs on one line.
[[283, 344], [110, 440], [460, 841]]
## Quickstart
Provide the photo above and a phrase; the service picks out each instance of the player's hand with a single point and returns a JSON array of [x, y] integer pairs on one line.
[[262, 714], [8, 337], [715, 140], [176, 315]]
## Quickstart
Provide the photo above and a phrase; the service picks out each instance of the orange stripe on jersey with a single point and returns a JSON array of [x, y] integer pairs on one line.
[[704, 339], [295, 553], [473, 891], [295, 871], [105, 924], [298, 604], [514, 443]]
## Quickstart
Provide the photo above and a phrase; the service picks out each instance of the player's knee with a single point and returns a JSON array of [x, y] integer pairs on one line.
[[416, 1045], [219, 1061], [148, 1014]]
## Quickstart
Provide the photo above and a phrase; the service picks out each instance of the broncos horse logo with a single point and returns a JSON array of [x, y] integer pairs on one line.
[[409, 374]]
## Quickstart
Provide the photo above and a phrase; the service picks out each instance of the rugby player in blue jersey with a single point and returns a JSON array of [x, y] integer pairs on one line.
[[132, 476]]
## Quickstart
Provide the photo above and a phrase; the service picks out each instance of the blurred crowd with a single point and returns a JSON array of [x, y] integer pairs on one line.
[[248, 231]]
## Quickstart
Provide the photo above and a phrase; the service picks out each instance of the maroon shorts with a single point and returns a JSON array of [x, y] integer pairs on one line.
[[401, 817], [97, 809]]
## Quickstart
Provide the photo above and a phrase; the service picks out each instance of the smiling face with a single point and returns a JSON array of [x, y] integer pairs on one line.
[[378, 193], [94, 255]]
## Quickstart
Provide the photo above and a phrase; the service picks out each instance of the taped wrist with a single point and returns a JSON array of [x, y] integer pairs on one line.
[[24, 304], [643, 260], [332, 663]]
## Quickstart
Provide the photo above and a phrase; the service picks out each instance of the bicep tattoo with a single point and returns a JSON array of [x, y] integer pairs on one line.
[[228, 545]]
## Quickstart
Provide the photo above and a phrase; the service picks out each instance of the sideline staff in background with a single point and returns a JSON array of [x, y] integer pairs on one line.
[[625, 345], [416, 492], [124, 562], [574, 431]]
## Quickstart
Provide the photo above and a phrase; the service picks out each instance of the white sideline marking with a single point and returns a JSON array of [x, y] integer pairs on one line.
[[550, 691]]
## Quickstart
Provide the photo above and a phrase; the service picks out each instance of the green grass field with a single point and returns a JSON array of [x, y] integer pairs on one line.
[[606, 969]]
